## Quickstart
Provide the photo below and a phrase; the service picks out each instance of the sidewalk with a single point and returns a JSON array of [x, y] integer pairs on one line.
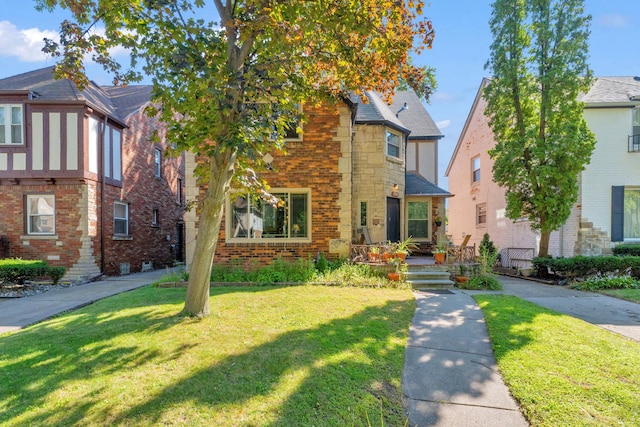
[[16, 313], [450, 377]]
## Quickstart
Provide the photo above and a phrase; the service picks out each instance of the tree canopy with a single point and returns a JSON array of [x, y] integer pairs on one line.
[[539, 67], [228, 76]]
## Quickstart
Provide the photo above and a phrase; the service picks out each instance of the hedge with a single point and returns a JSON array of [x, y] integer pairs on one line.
[[580, 266], [18, 271], [627, 249]]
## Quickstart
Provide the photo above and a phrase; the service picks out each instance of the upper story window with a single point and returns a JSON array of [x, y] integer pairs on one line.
[[634, 139], [475, 170], [481, 214], [11, 124], [41, 214], [157, 162], [251, 218], [120, 219], [393, 144]]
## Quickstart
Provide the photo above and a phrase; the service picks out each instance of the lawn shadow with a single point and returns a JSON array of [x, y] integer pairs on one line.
[[319, 358]]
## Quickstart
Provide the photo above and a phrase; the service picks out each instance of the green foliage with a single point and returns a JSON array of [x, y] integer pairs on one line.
[[18, 271], [581, 266], [483, 277], [539, 66], [627, 249], [607, 282], [322, 264], [487, 245]]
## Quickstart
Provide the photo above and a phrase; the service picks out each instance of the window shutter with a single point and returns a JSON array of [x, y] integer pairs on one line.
[[617, 213]]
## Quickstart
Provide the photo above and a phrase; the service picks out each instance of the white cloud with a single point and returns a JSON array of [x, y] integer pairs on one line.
[[25, 45], [443, 124], [614, 20]]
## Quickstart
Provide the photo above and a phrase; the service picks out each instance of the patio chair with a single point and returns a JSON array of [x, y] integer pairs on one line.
[[455, 253]]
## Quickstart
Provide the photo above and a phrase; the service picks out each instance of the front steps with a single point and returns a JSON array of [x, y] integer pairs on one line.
[[428, 277]]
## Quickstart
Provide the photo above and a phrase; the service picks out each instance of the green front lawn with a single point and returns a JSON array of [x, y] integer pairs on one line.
[[628, 294], [266, 356], [561, 370]]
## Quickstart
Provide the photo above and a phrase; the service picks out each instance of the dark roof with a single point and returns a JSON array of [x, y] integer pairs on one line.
[[416, 185], [376, 111], [414, 120], [415, 116], [613, 90], [116, 102]]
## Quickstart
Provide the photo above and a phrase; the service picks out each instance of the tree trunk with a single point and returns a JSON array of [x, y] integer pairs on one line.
[[544, 243], [221, 171]]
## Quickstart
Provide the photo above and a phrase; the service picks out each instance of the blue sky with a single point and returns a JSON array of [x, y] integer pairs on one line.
[[460, 50]]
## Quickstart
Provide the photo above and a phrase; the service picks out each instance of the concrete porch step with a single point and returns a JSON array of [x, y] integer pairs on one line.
[[431, 284]]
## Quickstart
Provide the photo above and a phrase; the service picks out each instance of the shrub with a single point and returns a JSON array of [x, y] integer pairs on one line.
[[56, 273], [487, 245], [608, 282], [484, 282], [627, 249], [18, 271], [582, 266]]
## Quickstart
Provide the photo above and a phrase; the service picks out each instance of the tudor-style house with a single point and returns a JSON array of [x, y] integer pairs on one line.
[[608, 208], [83, 183], [356, 167]]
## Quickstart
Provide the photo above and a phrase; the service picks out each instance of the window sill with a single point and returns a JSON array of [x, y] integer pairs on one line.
[[392, 159], [122, 237], [267, 241], [39, 237]]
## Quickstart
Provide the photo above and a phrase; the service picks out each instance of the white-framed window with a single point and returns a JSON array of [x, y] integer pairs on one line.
[[157, 162], [121, 219], [481, 214], [631, 219], [393, 144], [41, 214], [11, 123], [475, 169], [418, 219], [250, 217]]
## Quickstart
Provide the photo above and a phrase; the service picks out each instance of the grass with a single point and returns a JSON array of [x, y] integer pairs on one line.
[[266, 356], [627, 294], [561, 370]]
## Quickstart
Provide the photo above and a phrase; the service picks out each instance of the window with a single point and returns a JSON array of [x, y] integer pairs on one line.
[[631, 218], [179, 191], [120, 219], [475, 170], [393, 144], [481, 214], [634, 139], [41, 215], [363, 214], [157, 161], [10, 124], [154, 217], [418, 220], [251, 217]]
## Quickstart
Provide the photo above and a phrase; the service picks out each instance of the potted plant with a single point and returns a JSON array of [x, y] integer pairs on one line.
[[399, 268], [374, 254], [404, 248], [462, 276], [440, 251], [437, 220]]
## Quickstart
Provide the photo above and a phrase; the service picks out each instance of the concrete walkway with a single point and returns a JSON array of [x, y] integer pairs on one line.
[[16, 313], [450, 377]]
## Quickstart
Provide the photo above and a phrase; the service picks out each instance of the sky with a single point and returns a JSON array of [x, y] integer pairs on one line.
[[460, 51]]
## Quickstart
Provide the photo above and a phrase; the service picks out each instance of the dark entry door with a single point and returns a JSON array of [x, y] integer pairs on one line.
[[393, 219], [179, 242]]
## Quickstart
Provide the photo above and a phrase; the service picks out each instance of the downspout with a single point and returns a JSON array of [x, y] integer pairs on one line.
[[103, 261]]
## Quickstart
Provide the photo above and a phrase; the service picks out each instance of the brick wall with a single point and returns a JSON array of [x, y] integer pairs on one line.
[[320, 162]]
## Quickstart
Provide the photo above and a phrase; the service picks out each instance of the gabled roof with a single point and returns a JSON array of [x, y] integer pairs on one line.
[[413, 120], [376, 112], [116, 102], [416, 185], [613, 91], [415, 116]]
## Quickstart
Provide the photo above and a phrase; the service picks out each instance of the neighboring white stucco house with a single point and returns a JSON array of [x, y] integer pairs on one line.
[[608, 207]]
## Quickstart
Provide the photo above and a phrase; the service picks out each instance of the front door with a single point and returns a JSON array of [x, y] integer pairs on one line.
[[393, 219]]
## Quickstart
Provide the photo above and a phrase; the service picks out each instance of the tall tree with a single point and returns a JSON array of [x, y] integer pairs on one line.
[[539, 65], [229, 75]]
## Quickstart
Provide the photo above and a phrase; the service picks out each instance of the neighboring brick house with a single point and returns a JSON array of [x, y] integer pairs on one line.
[[608, 208], [345, 171], [83, 184]]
